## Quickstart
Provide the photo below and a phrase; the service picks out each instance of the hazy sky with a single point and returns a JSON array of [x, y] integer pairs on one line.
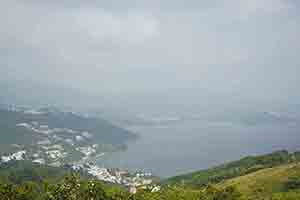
[[241, 45]]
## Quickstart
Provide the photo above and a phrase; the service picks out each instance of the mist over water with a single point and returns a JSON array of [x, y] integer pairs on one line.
[[188, 145], [200, 82]]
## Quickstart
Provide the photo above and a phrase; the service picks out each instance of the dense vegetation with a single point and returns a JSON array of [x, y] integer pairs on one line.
[[234, 169], [73, 188], [19, 172], [21, 180]]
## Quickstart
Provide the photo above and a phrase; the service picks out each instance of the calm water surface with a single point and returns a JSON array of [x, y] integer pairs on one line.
[[192, 145]]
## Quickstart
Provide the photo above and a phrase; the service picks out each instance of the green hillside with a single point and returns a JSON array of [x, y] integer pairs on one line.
[[234, 169], [267, 182], [18, 172], [21, 180], [278, 183]]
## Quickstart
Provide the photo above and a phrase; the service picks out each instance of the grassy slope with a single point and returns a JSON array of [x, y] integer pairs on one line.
[[233, 169], [264, 182], [270, 179]]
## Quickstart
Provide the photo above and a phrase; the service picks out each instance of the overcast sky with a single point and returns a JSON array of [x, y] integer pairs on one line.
[[241, 45]]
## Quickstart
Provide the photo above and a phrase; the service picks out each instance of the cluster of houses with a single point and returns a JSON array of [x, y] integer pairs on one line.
[[143, 180], [52, 141], [20, 155], [117, 176], [53, 146]]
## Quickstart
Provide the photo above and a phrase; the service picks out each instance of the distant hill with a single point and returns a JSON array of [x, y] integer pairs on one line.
[[57, 137], [233, 169]]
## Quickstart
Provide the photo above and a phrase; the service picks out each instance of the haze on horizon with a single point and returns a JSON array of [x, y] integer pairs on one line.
[[243, 47]]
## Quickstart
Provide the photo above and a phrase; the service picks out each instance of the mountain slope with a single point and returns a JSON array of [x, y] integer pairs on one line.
[[17, 172], [234, 169], [53, 136], [281, 182], [266, 181]]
